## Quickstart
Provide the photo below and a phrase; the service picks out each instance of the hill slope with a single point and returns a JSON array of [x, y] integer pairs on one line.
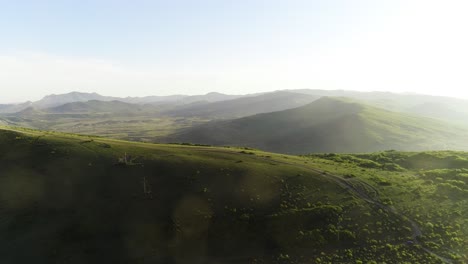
[[245, 106], [77, 199], [444, 108], [13, 108], [54, 100], [329, 125], [99, 107]]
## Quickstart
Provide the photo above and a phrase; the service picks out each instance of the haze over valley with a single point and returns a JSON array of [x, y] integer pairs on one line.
[[288, 121]]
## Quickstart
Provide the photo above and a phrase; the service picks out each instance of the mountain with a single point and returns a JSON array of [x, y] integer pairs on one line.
[[209, 97], [329, 125], [444, 108], [80, 199], [13, 108], [245, 106], [441, 107], [153, 99], [29, 112], [53, 100], [101, 107], [177, 100], [60, 99]]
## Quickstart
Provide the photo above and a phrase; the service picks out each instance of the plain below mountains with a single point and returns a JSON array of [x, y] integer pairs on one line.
[[54, 100], [217, 105], [330, 125]]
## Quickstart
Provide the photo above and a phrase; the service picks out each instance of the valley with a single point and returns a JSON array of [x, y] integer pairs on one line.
[[293, 122]]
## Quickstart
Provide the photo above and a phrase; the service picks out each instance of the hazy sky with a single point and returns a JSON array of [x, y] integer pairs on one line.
[[138, 48]]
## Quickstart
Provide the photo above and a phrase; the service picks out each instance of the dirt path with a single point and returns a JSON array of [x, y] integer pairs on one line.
[[363, 195], [344, 183]]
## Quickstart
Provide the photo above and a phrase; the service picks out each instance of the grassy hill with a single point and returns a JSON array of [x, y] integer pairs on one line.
[[245, 106], [154, 118], [444, 108], [80, 199], [116, 119], [330, 125]]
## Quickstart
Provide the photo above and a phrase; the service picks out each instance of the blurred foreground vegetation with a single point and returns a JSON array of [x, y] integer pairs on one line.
[[81, 199]]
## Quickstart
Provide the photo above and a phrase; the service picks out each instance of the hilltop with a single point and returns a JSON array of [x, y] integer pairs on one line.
[[440, 107], [85, 199], [54, 100], [330, 125]]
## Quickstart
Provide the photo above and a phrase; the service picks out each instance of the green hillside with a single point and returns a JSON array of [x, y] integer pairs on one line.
[[330, 125], [440, 107], [114, 119], [78, 199]]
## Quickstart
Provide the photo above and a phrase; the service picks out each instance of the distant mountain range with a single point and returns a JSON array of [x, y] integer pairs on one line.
[[330, 125], [233, 106], [209, 106], [56, 100], [14, 108], [53, 100], [289, 121]]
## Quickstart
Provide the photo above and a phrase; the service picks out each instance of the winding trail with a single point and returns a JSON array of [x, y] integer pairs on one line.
[[363, 195], [345, 183], [342, 182]]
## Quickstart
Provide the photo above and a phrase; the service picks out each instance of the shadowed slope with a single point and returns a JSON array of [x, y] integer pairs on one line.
[[329, 125], [245, 106], [76, 199]]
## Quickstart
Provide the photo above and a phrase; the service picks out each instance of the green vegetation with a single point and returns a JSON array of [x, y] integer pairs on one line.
[[330, 125], [100, 118], [429, 187], [71, 198], [440, 107], [84, 114]]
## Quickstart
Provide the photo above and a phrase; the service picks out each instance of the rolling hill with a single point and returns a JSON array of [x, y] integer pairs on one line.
[[209, 97], [79, 199], [54, 100], [329, 125], [100, 107], [444, 108], [245, 106], [13, 108]]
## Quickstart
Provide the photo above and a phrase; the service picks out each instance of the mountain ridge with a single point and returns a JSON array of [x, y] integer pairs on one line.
[[329, 125], [244, 106]]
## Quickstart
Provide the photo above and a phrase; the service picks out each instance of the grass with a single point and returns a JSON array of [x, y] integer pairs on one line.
[[330, 125], [429, 187], [71, 198], [135, 128]]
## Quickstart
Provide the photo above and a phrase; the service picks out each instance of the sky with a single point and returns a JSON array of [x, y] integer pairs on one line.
[[160, 47]]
